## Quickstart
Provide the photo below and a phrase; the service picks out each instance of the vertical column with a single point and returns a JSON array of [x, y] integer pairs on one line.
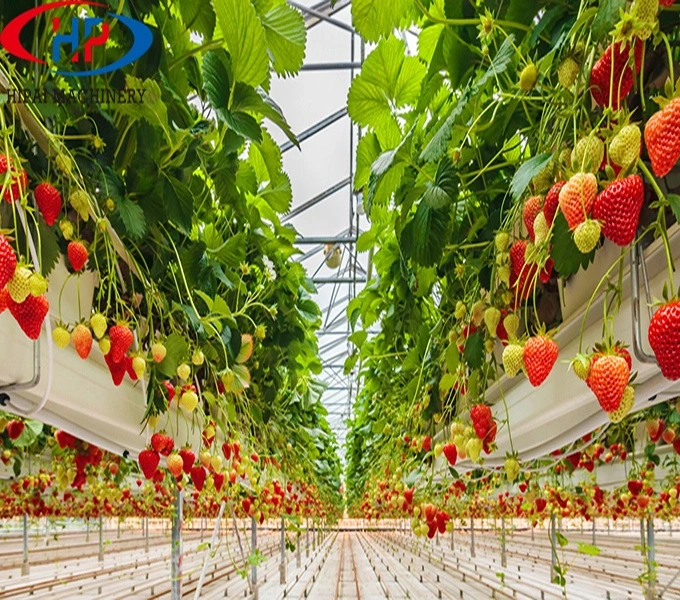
[[146, 534], [282, 578], [87, 535], [202, 530], [593, 531], [504, 558], [298, 552], [118, 534], [472, 538], [453, 536], [642, 537], [24, 565], [253, 568], [307, 536], [176, 582], [100, 556], [553, 544], [651, 585]]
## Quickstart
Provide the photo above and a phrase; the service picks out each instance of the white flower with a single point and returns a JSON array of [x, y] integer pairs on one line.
[[269, 271]]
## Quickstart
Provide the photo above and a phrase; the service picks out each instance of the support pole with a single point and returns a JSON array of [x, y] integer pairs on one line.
[[472, 538], [651, 585], [253, 548], [87, 534], [298, 553], [118, 534], [282, 568], [211, 551], [307, 536], [504, 558], [100, 556], [314, 537], [201, 530], [24, 565], [176, 582], [642, 537], [553, 545], [453, 536], [593, 531], [146, 534]]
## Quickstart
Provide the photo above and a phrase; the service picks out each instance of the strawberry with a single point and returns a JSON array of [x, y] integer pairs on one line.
[[664, 338], [15, 428], [623, 352], [64, 439], [37, 284], [618, 208], [82, 340], [577, 198], [169, 390], [117, 369], [567, 72], [541, 228], [608, 379], [198, 474], [8, 261], [218, 480], [532, 207], [19, 287], [492, 318], [158, 441], [635, 486], [540, 354], [451, 454], [625, 146], [666, 3], [513, 359], [522, 275], [620, 72], [587, 235], [139, 366], [552, 200], [188, 459], [121, 339], [175, 465], [188, 400], [540, 504], [662, 137], [80, 202], [588, 154], [158, 351], [148, 462], [528, 77], [645, 13], [30, 314], [5, 299], [18, 179], [98, 324], [481, 417], [77, 255], [49, 202]]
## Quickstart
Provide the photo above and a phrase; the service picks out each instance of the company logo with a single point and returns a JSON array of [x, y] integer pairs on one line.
[[95, 33]]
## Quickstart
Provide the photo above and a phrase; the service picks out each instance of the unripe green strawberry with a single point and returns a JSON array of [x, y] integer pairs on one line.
[[626, 405], [80, 202], [197, 358], [541, 228], [587, 235], [158, 351], [502, 241], [66, 228], [544, 180], [624, 149], [504, 274], [184, 371], [512, 468], [513, 359], [37, 284], [588, 154], [581, 366], [18, 287], [492, 317], [645, 12], [64, 164], [105, 345], [567, 72], [61, 336], [98, 324], [460, 311], [139, 366], [528, 77], [511, 325], [188, 401]]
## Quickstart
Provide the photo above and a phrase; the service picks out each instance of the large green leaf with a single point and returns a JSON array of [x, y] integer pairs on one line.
[[376, 18], [132, 217], [568, 258], [520, 182], [216, 80], [286, 36], [179, 202], [199, 16], [607, 16], [245, 38], [424, 236], [278, 193], [177, 350], [442, 190]]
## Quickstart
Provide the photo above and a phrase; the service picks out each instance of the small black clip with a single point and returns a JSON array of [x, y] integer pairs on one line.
[[126, 453], [4, 399]]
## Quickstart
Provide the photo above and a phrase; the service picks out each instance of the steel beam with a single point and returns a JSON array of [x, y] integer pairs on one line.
[[25, 568], [316, 128], [253, 548], [316, 199], [323, 16], [331, 66], [313, 241], [100, 556], [334, 280], [176, 571]]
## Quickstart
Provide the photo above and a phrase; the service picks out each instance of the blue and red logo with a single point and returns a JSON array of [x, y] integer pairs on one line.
[[95, 33]]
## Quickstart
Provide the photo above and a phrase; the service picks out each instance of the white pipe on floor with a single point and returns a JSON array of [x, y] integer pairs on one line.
[[211, 551]]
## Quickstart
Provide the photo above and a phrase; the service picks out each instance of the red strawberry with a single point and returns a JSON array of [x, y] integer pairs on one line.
[[218, 480], [30, 314], [577, 197], [666, 3], [188, 459], [198, 474], [18, 182], [169, 389], [226, 450], [117, 370], [546, 271], [618, 208], [540, 354], [662, 137], [82, 340], [5, 299], [623, 352], [49, 202], [664, 338], [148, 462], [8, 261], [532, 207], [608, 379], [77, 255], [15, 428], [522, 275], [158, 441], [64, 439], [481, 417], [621, 73], [540, 504], [635, 486], [552, 201], [121, 339]]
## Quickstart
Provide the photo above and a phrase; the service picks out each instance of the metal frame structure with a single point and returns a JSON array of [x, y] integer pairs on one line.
[[345, 283]]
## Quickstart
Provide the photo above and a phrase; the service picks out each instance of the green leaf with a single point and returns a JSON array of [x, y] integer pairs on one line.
[[674, 201], [177, 350], [445, 186], [452, 357], [243, 124], [199, 16], [49, 248], [588, 549], [358, 338], [376, 18], [366, 241], [216, 80], [245, 38], [532, 167], [278, 194], [179, 202], [424, 236], [233, 252], [474, 350], [561, 540], [607, 16], [286, 35], [153, 109], [132, 217], [30, 434], [368, 150], [447, 381], [568, 258]]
